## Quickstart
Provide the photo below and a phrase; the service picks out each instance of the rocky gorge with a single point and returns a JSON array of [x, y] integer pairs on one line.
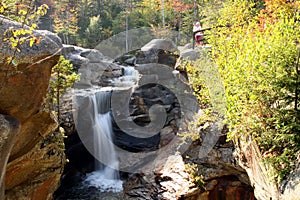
[[156, 162], [160, 166]]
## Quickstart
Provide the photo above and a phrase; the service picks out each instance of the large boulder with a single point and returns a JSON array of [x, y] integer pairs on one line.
[[36, 159], [49, 45], [162, 51]]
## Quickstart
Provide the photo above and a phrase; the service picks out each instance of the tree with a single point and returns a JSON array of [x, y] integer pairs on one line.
[[65, 20], [46, 21], [257, 58], [62, 78]]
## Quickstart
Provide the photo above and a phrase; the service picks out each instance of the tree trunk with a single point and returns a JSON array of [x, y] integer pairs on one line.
[[126, 24], [98, 7], [163, 13], [297, 82]]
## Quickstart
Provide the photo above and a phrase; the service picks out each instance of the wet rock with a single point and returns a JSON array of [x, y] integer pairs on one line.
[[130, 61], [139, 188], [126, 59]]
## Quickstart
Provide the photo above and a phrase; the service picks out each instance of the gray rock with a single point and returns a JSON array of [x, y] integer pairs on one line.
[[185, 47], [51, 36], [162, 51], [162, 44], [250, 159], [92, 55], [9, 128], [130, 61], [190, 54], [291, 187], [98, 74], [67, 49], [78, 60], [94, 68]]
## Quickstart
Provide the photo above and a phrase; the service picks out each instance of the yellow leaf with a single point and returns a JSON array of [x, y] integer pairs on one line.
[[31, 42]]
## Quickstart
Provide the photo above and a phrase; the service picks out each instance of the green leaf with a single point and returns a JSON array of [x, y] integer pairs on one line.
[[14, 62]]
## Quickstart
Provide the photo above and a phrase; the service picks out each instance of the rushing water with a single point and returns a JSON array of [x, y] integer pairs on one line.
[[105, 177], [130, 77], [94, 122]]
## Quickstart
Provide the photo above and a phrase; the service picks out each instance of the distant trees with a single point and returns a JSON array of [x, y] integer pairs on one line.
[[66, 19], [86, 22]]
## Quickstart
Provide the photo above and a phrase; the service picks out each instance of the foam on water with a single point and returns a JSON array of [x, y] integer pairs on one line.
[[98, 179]]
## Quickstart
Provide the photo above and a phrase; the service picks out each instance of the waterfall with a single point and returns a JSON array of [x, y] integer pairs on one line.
[[105, 177], [130, 77]]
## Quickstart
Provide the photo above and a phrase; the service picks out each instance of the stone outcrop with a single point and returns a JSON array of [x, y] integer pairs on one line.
[[35, 162], [171, 177], [250, 158], [222, 176], [221, 173], [94, 68]]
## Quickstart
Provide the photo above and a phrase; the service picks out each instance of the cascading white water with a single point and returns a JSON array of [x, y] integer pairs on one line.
[[130, 77], [93, 118], [105, 177]]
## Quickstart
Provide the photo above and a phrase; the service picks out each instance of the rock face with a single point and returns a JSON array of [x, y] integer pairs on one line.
[[291, 187], [222, 175], [250, 158], [35, 162], [167, 177]]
